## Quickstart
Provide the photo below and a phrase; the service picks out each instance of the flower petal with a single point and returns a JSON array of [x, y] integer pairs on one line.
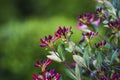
[[96, 23], [43, 45], [83, 28]]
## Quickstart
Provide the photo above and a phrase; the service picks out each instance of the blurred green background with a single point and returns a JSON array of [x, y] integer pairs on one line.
[[24, 22]]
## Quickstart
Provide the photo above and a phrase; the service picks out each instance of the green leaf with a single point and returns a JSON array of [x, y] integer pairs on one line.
[[53, 56], [79, 60], [99, 60], [95, 64], [61, 51], [107, 45], [81, 48], [70, 74], [86, 58], [119, 14], [78, 72], [71, 47], [114, 55]]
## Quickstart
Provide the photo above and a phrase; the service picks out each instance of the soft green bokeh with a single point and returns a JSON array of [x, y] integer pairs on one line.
[[20, 33]]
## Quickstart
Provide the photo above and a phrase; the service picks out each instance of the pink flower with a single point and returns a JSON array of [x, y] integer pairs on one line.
[[87, 36], [101, 44], [116, 76], [63, 32], [47, 75], [114, 25], [49, 40], [37, 77], [96, 23], [85, 20], [43, 64], [50, 75], [73, 64], [118, 56]]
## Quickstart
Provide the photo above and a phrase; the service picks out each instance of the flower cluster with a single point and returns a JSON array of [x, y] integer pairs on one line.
[[114, 25], [101, 44], [93, 59], [89, 35], [85, 20], [45, 74], [60, 33]]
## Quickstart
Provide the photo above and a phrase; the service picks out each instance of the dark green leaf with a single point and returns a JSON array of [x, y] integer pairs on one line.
[[70, 74], [99, 59], [61, 51], [114, 55], [86, 58]]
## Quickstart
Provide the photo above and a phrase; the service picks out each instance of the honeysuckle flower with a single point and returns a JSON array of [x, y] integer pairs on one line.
[[73, 64], [47, 75], [116, 76], [82, 40], [108, 5], [43, 64], [82, 27], [64, 32], [85, 20], [89, 60], [115, 25], [101, 44], [118, 56], [89, 35], [103, 14], [105, 78], [54, 56], [48, 41], [96, 23], [50, 75], [37, 77]]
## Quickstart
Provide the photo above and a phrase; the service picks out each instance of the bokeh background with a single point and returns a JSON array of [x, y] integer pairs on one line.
[[24, 22]]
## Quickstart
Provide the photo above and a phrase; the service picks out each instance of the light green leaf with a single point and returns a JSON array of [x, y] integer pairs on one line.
[[119, 14], [99, 60], [86, 58], [78, 72], [53, 56], [61, 51], [72, 47], [95, 64], [114, 55], [70, 74], [82, 48], [79, 60], [107, 45]]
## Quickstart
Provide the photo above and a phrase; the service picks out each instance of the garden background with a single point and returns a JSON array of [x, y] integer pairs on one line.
[[24, 22]]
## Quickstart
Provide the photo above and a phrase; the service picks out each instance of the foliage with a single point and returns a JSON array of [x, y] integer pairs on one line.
[[95, 61]]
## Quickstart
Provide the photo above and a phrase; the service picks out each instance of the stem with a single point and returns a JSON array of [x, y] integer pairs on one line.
[[93, 73], [55, 53], [65, 63]]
